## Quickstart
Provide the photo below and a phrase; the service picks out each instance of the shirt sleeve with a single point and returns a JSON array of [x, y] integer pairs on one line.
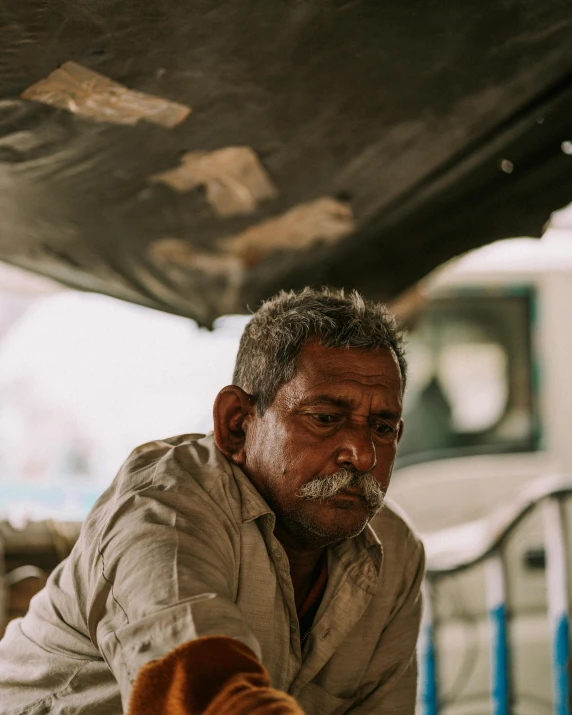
[[164, 574], [395, 659]]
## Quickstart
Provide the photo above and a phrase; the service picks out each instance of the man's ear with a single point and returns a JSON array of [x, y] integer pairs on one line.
[[400, 430], [231, 407]]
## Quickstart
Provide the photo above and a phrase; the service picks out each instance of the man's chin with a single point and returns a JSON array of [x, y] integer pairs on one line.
[[341, 526], [316, 524]]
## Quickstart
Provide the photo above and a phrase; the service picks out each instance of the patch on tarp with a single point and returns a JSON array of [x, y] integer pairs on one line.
[[91, 95], [234, 179], [324, 219]]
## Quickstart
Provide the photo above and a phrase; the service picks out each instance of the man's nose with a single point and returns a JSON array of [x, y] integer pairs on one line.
[[357, 448]]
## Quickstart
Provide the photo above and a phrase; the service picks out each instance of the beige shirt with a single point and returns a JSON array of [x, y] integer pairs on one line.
[[180, 546]]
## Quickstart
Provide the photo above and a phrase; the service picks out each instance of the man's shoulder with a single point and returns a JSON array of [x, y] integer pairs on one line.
[[395, 531], [177, 477], [198, 448], [181, 462], [393, 516]]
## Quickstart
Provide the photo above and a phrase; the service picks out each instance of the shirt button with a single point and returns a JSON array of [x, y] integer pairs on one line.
[[293, 628], [277, 554]]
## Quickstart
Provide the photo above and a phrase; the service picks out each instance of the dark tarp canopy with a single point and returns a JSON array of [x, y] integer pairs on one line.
[[383, 139]]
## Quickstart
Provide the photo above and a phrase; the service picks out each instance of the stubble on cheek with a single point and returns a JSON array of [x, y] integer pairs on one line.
[[318, 522]]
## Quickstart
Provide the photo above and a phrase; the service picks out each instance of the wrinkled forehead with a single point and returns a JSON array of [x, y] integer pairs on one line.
[[345, 369]]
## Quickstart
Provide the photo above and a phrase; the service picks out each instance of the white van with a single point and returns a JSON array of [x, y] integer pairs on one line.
[[488, 410]]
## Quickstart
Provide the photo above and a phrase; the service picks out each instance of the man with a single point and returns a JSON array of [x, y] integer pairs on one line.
[[238, 573]]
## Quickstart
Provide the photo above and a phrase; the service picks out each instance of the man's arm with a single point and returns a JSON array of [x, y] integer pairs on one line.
[[395, 663], [162, 585], [208, 676]]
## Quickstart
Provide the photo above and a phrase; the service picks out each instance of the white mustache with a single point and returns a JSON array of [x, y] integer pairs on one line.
[[321, 488]]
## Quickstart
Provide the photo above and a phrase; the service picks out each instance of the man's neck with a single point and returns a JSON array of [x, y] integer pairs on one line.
[[303, 564]]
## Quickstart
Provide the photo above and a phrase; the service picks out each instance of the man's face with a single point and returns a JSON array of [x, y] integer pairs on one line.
[[341, 411]]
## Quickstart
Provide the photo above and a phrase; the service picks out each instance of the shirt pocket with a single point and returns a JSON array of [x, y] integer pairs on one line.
[[317, 701]]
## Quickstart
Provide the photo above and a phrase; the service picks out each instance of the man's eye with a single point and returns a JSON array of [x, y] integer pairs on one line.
[[324, 419], [382, 428]]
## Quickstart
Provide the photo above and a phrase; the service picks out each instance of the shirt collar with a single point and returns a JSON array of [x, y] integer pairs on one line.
[[253, 504]]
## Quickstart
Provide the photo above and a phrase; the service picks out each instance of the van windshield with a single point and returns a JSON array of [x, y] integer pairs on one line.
[[471, 378]]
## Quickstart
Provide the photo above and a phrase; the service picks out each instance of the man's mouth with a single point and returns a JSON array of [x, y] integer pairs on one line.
[[352, 492]]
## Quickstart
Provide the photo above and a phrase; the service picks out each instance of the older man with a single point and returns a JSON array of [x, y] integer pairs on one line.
[[239, 572]]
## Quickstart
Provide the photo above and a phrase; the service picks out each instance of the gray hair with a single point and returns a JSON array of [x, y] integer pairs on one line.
[[283, 325]]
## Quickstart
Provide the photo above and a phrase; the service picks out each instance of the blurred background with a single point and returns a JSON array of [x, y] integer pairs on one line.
[[256, 146], [84, 378]]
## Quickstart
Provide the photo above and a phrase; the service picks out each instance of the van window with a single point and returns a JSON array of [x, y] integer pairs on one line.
[[470, 378]]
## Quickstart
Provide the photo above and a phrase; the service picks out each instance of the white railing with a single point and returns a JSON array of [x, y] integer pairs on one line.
[[454, 550], [449, 552]]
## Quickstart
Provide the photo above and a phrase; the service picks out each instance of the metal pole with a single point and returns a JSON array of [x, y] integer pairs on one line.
[[428, 689], [557, 590], [496, 598]]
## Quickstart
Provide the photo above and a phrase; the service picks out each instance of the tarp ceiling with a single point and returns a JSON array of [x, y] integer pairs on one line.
[[383, 138]]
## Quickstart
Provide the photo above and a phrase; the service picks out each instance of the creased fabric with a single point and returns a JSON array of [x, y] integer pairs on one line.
[[182, 547]]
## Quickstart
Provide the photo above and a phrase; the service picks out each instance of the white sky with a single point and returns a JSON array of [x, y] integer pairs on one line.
[[121, 374]]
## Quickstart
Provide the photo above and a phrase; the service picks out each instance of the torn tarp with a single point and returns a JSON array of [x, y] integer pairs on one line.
[[438, 126]]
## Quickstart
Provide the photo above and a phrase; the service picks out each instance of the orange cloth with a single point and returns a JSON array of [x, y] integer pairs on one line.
[[309, 608], [317, 590], [208, 676]]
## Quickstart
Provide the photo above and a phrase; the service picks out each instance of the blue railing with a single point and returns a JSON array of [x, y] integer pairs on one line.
[[455, 550]]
